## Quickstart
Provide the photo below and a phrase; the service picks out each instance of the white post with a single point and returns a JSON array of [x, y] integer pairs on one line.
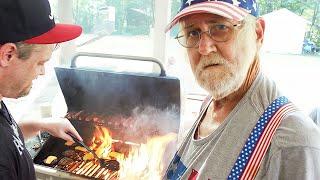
[[162, 16], [65, 15]]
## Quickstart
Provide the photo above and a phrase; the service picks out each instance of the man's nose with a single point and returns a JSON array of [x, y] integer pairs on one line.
[[206, 44]]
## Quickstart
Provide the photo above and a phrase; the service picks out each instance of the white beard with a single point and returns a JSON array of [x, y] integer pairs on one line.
[[221, 80]]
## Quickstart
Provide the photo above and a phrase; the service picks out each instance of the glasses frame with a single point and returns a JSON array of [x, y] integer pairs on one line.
[[233, 26], [56, 47]]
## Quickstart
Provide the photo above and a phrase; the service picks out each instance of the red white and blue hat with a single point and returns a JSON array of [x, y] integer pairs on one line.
[[231, 9]]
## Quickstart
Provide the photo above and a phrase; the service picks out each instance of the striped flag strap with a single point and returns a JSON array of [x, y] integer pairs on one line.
[[247, 165]]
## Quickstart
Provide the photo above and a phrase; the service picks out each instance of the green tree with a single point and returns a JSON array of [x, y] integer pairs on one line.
[[175, 6], [137, 16], [144, 16], [86, 13]]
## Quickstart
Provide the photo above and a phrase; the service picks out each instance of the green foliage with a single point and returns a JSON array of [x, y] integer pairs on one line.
[[86, 13], [132, 16], [175, 6], [136, 17]]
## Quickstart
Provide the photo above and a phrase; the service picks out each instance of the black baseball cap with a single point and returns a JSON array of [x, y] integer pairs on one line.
[[31, 21]]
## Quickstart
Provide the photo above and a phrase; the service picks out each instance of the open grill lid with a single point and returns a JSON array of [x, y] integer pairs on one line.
[[111, 93], [115, 93]]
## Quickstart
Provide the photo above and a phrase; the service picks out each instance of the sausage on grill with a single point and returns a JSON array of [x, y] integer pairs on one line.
[[72, 154], [65, 161]]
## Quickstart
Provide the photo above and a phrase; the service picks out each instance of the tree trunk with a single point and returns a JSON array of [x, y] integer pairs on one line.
[[313, 21], [315, 14]]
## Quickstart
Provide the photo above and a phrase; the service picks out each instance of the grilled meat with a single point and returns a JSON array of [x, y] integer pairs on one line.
[[112, 165], [72, 154], [64, 162]]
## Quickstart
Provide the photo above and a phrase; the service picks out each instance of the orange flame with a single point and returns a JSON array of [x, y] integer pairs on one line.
[[101, 142], [144, 161]]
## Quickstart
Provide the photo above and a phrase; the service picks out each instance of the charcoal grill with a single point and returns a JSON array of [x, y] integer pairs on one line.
[[111, 97]]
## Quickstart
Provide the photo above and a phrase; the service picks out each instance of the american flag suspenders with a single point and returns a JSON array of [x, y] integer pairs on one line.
[[249, 160]]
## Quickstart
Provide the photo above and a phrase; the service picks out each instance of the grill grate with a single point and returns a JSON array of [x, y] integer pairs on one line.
[[89, 169]]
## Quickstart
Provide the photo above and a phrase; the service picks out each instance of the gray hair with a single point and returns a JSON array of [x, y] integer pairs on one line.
[[249, 23], [25, 50]]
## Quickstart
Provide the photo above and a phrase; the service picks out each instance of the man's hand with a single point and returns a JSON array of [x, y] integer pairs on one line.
[[59, 127]]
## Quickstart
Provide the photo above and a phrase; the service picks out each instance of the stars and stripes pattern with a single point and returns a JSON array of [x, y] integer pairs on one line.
[[249, 5], [231, 9], [176, 168], [250, 158]]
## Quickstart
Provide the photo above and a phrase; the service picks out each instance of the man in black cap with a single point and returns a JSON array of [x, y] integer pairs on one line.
[[28, 35]]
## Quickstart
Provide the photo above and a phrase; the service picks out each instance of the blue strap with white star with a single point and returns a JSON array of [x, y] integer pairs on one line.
[[247, 164]]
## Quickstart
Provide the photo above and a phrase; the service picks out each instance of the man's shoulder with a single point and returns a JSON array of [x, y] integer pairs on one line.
[[4, 128], [6, 138], [262, 93], [297, 130]]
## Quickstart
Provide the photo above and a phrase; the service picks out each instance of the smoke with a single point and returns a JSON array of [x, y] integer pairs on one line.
[[164, 121], [153, 123]]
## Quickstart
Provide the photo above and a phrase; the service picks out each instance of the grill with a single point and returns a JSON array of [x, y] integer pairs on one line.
[[115, 113]]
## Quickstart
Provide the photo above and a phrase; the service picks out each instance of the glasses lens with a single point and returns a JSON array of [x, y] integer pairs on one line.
[[188, 39], [221, 32]]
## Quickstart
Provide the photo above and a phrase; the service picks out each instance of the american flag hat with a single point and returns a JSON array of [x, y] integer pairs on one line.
[[231, 9]]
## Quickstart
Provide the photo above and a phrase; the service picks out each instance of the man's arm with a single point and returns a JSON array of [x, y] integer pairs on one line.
[[58, 127]]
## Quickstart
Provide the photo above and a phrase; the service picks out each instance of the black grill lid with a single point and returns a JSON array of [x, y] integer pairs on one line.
[[118, 93]]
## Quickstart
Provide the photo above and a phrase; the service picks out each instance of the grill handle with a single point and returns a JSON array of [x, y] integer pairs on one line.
[[115, 56]]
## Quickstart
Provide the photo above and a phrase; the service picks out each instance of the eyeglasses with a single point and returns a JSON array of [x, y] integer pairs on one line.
[[219, 32], [57, 46]]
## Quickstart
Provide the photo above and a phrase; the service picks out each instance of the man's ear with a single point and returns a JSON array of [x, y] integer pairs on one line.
[[7, 53], [260, 27]]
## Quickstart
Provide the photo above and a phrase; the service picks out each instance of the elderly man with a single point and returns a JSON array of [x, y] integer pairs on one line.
[[28, 35], [246, 129]]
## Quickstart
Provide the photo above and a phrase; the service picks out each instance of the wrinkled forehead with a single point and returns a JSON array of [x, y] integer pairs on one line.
[[202, 18]]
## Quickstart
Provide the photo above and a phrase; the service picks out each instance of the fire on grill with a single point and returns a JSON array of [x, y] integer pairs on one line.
[[129, 120], [123, 159]]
